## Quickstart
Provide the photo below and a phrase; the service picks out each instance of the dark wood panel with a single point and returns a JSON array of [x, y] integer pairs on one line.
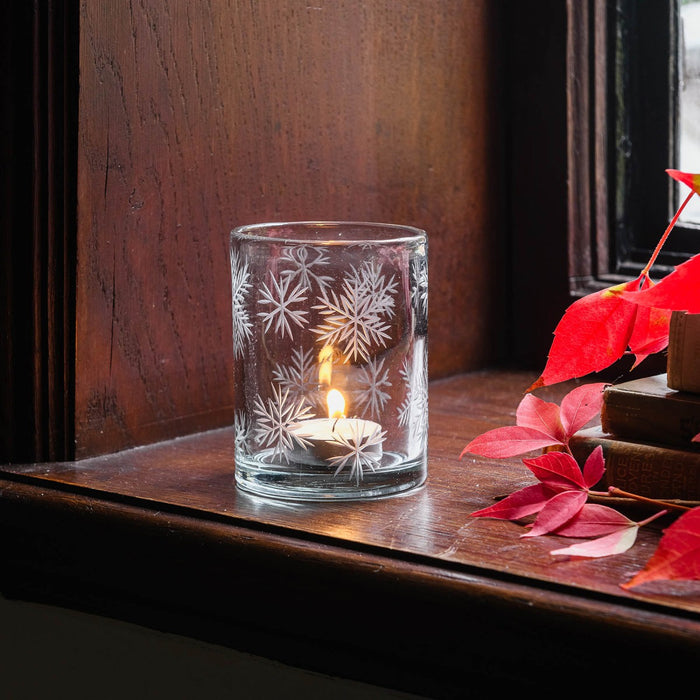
[[37, 228], [198, 117], [407, 591], [539, 173]]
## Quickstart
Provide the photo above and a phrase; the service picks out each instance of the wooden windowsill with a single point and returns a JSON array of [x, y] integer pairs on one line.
[[408, 592]]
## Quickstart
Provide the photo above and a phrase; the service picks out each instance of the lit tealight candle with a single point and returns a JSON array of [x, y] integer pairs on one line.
[[334, 436], [336, 404]]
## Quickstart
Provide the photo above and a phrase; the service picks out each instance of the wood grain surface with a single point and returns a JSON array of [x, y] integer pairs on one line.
[[197, 117], [161, 535], [195, 474]]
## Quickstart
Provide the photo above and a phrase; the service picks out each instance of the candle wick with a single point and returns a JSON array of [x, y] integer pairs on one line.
[[335, 422]]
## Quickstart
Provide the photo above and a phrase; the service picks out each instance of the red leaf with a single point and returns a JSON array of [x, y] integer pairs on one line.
[[593, 333], [678, 553], [540, 424], [557, 470], [557, 512], [614, 543], [690, 179], [581, 405], [508, 441], [541, 415], [519, 504], [594, 520], [650, 334], [594, 468], [678, 291]]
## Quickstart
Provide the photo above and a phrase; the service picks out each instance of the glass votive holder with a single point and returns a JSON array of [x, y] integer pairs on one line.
[[330, 359]]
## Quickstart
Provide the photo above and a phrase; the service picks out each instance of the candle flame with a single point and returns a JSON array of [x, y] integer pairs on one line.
[[336, 404]]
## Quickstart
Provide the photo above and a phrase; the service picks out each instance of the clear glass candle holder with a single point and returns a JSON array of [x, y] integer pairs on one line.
[[330, 359]]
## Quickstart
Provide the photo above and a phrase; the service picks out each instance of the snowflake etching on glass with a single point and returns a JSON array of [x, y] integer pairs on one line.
[[374, 284], [413, 412], [304, 259], [242, 431], [361, 450], [240, 285], [356, 320], [274, 418], [300, 376], [281, 299], [419, 290], [373, 379]]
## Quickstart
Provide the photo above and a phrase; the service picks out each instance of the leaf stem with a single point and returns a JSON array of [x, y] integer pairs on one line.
[[614, 491], [660, 244], [646, 521]]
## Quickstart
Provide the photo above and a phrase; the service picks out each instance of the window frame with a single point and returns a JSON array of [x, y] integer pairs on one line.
[[644, 198], [625, 194]]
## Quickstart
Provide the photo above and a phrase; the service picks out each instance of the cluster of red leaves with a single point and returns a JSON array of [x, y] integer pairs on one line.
[[559, 499], [596, 331], [540, 424], [599, 328]]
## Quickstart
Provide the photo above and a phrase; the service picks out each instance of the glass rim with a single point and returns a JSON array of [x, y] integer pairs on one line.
[[402, 233]]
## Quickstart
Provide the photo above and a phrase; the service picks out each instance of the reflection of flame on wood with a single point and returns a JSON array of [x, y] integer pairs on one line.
[[336, 404]]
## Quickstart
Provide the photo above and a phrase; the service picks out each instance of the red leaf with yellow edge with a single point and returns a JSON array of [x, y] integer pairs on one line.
[[678, 554], [519, 504], [690, 179], [593, 333], [678, 291]]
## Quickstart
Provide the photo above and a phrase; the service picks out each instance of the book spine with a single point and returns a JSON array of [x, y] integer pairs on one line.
[[646, 470], [651, 419], [683, 361]]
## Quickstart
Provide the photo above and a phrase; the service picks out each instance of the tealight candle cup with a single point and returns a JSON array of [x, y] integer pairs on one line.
[[330, 359]]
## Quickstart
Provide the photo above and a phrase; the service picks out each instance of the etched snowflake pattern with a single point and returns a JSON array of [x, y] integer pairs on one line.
[[374, 284], [274, 418], [300, 377], [362, 450], [281, 300], [419, 292], [373, 378], [305, 260], [356, 319], [413, 412], [242, 431], [240, 285]]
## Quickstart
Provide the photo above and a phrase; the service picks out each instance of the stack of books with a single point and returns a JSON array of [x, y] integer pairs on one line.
[[647, 425]]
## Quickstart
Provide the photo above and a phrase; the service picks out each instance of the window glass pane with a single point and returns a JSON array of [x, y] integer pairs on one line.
[[690, 101]]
